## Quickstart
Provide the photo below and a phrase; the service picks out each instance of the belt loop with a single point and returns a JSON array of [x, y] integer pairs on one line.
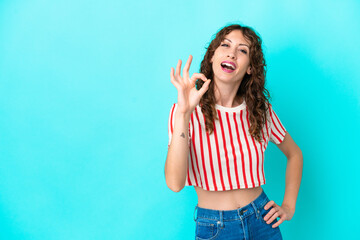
[[257, 211], [194, 212], [221, 219]]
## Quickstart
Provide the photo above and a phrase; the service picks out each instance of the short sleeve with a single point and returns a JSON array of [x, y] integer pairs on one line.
[[278, 130], [171, 124]]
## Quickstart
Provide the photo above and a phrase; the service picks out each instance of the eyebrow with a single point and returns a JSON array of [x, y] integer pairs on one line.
[[239, 43]]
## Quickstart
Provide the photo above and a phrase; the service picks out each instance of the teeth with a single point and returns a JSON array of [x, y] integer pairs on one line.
[[228, 65]]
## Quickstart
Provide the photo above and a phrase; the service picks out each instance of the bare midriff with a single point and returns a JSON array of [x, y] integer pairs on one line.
[[227, 200]]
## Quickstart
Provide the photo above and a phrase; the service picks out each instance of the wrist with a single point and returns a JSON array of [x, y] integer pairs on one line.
[[288, 206], [183, 115]]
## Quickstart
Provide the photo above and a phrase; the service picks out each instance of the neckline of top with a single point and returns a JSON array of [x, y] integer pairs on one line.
[[231, 109]]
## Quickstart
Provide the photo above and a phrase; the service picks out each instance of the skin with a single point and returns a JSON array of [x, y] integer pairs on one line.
[[226, 85]]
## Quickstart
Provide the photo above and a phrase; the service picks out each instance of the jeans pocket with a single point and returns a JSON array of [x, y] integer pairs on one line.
[[207, 229]]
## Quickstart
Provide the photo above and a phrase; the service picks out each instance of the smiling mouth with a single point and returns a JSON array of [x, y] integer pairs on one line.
[[227, 65], [227, 69]]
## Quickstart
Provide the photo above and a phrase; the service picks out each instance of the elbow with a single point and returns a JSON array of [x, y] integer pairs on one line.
[[297, 153], [172, 183], [174, 187], [300, 154]]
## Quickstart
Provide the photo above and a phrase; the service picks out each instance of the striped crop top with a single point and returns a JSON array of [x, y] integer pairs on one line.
[[229, 158]]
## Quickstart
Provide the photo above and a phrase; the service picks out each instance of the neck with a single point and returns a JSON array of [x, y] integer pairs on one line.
[[225, 94]]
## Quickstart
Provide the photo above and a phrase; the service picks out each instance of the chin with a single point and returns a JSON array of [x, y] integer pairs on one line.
[[226, 77]]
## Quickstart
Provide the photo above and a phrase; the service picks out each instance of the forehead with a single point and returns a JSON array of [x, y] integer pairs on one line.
[[236, 37]]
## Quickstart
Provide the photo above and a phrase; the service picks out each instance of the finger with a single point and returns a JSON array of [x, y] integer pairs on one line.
[[273, 217], [269, 214], [187, 67], [172, 78], [177, 73], [281, 220], [269, 204], [196, 76], [204, 87]]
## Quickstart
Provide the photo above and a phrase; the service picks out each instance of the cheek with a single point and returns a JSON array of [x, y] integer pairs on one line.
[[215, 65]]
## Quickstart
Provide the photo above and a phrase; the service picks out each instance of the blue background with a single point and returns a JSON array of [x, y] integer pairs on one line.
[[85, 95]]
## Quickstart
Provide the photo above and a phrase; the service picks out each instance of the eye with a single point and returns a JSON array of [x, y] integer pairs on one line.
[[224, 44], [244, 51]]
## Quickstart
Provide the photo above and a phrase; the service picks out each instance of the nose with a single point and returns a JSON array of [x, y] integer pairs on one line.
[[231, 55]]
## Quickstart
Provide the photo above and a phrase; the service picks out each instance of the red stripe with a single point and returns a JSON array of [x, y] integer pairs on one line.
[[267, 133], [266, 143], [264, 140], [197, 164], [240, 147], [218, 157], [188, 178], [267, 128], [193, 169], [257, 156], [233, 149], [244, 133], [248, 146], [274, 134], [262, 156], [171, 118], [211, 160], [202, 152], [226, 153]]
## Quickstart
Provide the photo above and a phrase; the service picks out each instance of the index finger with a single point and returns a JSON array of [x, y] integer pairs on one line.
[[187, 67], [269, 204]]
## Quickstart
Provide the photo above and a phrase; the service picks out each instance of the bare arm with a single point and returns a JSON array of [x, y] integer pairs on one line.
[[293, 170], [177, 157], [188, 97], [293, 178]]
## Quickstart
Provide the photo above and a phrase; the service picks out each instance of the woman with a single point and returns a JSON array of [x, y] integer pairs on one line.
[[217, 138]]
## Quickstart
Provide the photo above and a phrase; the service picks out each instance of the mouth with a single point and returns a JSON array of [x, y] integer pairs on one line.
[[227, 66]]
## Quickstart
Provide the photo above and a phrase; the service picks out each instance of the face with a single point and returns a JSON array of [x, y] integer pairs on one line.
[[233, 50]]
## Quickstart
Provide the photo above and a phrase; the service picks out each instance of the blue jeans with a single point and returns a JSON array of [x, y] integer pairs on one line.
[[242, 223]]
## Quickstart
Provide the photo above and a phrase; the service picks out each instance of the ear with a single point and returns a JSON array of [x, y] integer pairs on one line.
[[212, 59], [248, 71]]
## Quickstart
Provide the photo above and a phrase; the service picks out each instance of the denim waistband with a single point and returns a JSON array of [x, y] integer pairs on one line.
[[235, 214]]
